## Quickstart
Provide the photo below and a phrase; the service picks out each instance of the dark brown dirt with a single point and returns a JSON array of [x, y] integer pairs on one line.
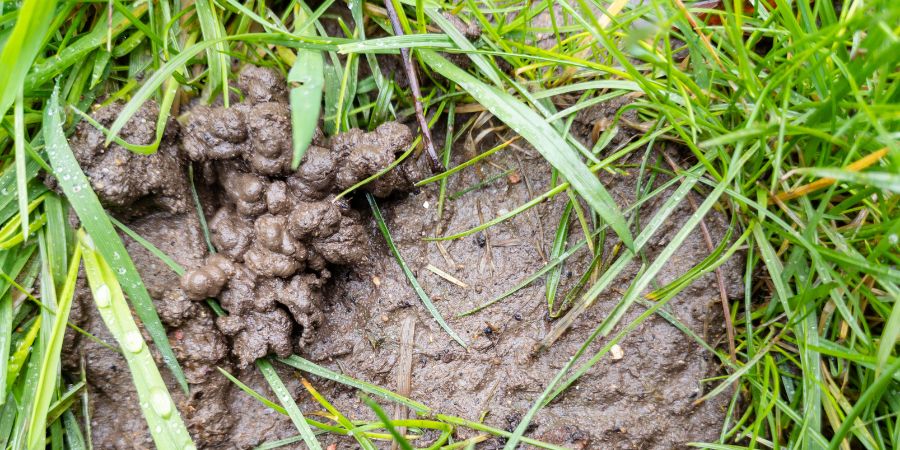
[[301, 274]]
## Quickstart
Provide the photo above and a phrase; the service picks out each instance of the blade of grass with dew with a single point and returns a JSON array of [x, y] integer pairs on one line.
[[542, 137], [290, 406], [319, 371], [409, 275], [163, 419], [22, 46], [46, 386], [94, 219]]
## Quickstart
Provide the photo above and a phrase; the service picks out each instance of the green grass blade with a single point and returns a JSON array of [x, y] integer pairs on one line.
[[306, 80], [21, 169], [558, 248], [94, 219], [542, 137], [163, 419], [80, 49], [319, 371], [217, 56], [46, 387], [868, 398], [284, 396], [409, 275], [882, 180], [386, 421], [480, 60], [22, 46]]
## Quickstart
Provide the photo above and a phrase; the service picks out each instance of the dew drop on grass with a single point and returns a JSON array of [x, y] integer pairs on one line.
[[102, 297], [160, 402], [121, 270], [88, 242], [133, 341]]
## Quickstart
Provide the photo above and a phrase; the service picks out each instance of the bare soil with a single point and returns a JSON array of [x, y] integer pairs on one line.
[[360, 302]]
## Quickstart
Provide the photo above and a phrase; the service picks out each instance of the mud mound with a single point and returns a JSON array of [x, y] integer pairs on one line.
[[300, 273]]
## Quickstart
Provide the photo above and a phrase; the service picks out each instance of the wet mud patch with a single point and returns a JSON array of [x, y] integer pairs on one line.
[[299, 273]]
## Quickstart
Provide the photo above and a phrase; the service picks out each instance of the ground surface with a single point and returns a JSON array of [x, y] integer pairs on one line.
[[642, 400]]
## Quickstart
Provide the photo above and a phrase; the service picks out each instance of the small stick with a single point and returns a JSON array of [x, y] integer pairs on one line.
[[414, 86], [447, 276], [404, 369]]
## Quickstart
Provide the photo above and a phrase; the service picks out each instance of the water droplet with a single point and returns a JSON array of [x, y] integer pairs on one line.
[[102, 297], [159, 400], [116, 255], [88, 242], [76, 189], [121, 270], [134, 342], [892, 238]]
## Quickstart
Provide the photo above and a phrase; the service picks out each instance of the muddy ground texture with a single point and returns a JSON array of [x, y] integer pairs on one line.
[[299, 273]]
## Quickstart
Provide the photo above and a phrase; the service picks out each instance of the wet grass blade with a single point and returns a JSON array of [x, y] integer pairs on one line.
[[21, 170], [284, 396], [542, 137], [163, 419], [94, 219], [409, 275], [305, 80], [49, 373]]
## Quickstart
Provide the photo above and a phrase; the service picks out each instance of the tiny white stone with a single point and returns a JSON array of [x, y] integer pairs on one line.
[[616, 352], [426, 205]]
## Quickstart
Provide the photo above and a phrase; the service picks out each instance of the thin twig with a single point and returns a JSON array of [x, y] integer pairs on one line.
[[720, 279], [414, 86]]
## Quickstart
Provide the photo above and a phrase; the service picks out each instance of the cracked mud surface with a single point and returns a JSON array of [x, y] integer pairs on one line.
[[300, 274]]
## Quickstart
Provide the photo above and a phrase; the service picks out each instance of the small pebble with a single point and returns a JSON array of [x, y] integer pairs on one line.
[[376, 281], [384, 318], [426, 205], [616, 352]]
